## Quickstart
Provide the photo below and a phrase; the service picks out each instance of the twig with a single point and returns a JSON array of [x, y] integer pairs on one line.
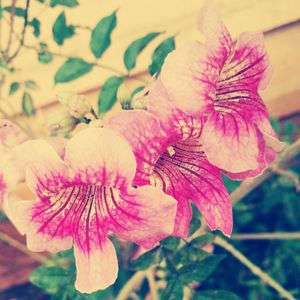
[[11, 30], [22, 34], [135, 281], [16, 244], [287, 174], [150, 274], [267, 236], [246, 187], [254, 269]]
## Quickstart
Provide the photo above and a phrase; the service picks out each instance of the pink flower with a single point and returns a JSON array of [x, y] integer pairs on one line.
[[86, 196], [219, 81], [169, 155]]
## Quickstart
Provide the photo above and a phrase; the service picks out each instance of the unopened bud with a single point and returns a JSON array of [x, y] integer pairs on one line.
[[124, 96], [60, 122], [78, 105]]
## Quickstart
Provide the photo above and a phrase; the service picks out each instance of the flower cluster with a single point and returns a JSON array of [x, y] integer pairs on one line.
[[135, 177]]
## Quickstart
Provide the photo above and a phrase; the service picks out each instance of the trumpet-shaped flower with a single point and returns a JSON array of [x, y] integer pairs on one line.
[[220, 81], [86, 196], [169, 155]]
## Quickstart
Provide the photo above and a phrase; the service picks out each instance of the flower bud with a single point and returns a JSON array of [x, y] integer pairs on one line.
[[124, 96], [60, 122], [78, 105]]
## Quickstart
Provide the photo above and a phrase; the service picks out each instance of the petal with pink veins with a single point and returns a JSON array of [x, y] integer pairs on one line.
[[100, 156], [46, 173], [232, 143], [142, 130], [190, 75], [210, 23], [97, 269], [145, 215], [187, 175]]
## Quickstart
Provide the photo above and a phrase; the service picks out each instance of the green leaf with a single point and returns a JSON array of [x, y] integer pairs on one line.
[[160, 53], [137, 90], [44, 56], [68, 3], [61, 31], [173, 291], [216, 295], [200, 270], [14, 87], [72, 69], [30, 84], [27, 105], [203, 240], [135, 48], [108, 94], [100, 38], [18, 11], [146, 260], [170, 243], [50, 279], [35, 23]]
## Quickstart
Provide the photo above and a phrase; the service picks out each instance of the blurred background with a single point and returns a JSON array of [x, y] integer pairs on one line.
[[39, 55]]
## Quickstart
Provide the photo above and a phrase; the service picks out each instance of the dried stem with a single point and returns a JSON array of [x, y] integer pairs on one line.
[[254, 269], [22, 34], [267, 236]]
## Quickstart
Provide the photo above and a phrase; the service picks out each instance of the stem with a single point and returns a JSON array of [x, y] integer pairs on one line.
[[11, 30], [22, 34], [267, 236], [135, 281], [18, 245], [254, 269], [246, 187], [150, 274]]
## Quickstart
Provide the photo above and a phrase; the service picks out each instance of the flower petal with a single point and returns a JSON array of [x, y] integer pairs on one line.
[[102, 156], [145, 215], [97, 269], [190, 76], [142, 130], [187, 175], [46, 172], [232, 142], [175, 123], [218, 39]]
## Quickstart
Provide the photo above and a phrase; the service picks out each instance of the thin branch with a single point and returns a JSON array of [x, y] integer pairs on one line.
[[254, 269], [287, 174], [150, 274], [267, 236], [22, 34], [134, 282], [11, 30], [248, 186]]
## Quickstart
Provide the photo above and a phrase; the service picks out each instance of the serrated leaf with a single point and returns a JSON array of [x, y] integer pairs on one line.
[[215, 295], [72, 69], [49, 279], [14, 87], [135, 48], [108, 94], [30, 84], [18, 11], [27, 105], [199, 270], [61, 31], [146, 260], [173, 291], [101, 35], [160, 53], [35, 23], [171, 243], [68, 3]]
